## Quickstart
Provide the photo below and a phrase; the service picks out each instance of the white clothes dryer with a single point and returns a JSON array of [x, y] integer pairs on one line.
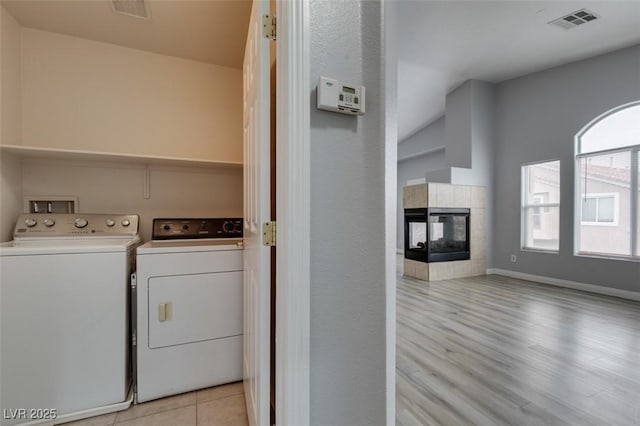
[[189, 299], [64, 306]]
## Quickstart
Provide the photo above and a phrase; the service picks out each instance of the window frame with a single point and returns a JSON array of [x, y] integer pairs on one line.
[[634, 205], [545, 208]]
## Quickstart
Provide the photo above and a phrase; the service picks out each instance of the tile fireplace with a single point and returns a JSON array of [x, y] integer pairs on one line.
[[444, 231]]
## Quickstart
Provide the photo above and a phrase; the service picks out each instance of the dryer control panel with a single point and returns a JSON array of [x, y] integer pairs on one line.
[[182, 229]]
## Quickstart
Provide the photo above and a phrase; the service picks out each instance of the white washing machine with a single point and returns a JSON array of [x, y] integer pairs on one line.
[[64, 296], [189, 317]]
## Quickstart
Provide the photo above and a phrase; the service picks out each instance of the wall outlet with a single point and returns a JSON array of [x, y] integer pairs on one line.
[[514, 259]]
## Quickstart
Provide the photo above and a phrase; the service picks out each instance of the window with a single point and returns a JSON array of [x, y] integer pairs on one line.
[[607, 185], [537, 216], [600, 209], [541, 206]]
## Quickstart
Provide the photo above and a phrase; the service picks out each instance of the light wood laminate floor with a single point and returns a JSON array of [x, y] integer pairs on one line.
[[496, 350]]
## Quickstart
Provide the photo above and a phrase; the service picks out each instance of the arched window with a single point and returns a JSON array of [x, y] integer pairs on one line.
[[607, 189]]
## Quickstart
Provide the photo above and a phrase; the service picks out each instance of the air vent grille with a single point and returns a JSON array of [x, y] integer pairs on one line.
[[574, 19], [137, 8]]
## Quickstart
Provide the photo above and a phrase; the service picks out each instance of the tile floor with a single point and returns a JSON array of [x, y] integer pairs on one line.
[[218, 406]]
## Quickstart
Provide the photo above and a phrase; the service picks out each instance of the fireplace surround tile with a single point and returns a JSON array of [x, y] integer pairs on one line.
[[415, 269], [432, 196], [449, 270], [478, 267], [444, 197], [414, 196], [478, 248], [422, 271], [478, 219], [461, 196], [478, 196]]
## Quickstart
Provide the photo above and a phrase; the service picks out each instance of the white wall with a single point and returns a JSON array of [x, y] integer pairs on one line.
[[65, 92], [10, 123], [348, 320], [10, 194], [87, 95], [119, 188]]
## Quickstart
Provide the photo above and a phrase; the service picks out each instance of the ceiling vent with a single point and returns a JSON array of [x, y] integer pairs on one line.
[[137, 8], [574, 19]]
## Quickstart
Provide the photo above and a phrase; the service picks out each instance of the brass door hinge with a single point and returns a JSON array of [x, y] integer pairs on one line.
[[269, 27], [269, 234]]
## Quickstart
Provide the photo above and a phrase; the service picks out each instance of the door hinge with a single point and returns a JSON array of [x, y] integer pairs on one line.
[[134, 338], [269, 233], [269, 26]]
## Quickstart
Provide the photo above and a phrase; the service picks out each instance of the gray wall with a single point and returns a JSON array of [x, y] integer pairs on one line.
[[348, 342], [459, 125], [428, 138], [469, 133], [538, 116]]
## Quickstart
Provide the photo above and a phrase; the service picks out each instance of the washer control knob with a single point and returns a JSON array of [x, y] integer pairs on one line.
[[81, 222], [166, 227], [228, 227], [30, 222], [49, 223], [125, 222], [110, 223]]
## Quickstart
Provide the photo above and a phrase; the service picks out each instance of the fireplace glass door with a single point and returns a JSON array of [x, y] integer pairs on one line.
[[415, 234], [448, 235], [418, 236]]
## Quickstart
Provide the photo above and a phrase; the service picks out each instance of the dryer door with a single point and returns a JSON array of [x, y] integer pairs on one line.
[[192, 308]]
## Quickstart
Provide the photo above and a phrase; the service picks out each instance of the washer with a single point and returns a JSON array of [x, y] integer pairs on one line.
[[189, 316], [64, 304]]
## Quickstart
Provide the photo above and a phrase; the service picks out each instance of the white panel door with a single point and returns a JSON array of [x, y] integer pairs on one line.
[[256, 212]]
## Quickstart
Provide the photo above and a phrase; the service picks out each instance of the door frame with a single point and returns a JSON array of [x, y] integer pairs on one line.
[[293, 213]]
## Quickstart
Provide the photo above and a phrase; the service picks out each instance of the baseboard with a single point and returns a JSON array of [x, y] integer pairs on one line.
[[623, 294]]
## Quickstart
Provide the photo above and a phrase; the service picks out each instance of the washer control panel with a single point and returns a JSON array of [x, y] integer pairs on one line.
[[75, 225], [180, 229]]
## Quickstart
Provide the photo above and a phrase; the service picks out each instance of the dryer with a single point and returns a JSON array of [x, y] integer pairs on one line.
[[189, 300], [64, 306]]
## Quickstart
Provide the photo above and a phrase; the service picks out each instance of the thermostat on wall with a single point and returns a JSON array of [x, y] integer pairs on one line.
[[340, 97]]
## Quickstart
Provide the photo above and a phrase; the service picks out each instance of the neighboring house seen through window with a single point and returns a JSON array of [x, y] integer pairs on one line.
[[600, 209], [607, 200]]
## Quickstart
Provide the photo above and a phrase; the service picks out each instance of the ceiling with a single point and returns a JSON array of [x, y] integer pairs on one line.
[[441, 44], [211, 31]]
